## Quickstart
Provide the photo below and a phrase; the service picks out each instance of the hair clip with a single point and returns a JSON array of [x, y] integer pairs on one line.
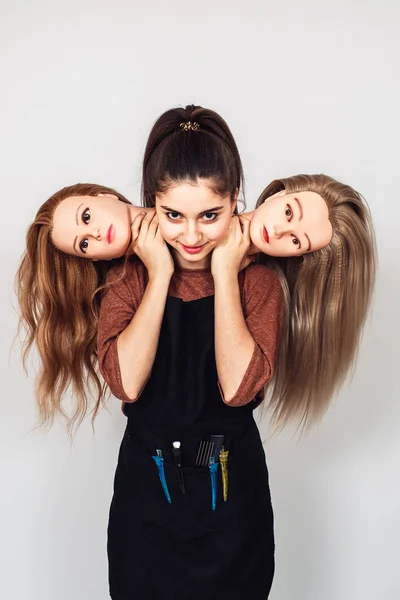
[[176, 451], [158, 459], [189, 126], [213, 467], [223, 459]]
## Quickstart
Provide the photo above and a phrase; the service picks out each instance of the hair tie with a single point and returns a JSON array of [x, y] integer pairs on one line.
[[189, 126]]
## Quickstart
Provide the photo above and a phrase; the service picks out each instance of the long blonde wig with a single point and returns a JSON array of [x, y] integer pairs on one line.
[[327, 295], [58, 308]]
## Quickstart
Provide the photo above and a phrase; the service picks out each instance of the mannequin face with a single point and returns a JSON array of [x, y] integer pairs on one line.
[[96, 227], [291, 224]]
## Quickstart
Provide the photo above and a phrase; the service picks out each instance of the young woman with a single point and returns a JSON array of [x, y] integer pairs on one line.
[[327, 293], [189, 345]]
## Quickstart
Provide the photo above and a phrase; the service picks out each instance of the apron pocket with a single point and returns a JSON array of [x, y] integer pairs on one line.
[[189, 515]]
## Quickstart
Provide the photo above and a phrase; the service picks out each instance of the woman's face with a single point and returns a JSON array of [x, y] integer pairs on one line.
[[96, 227], [291, 224], [193, 219]]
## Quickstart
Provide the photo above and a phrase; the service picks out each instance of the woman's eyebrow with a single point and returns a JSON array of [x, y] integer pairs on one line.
[[169, 209], [204, 212]]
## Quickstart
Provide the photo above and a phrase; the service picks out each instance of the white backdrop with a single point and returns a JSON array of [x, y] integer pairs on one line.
[[306, 87]]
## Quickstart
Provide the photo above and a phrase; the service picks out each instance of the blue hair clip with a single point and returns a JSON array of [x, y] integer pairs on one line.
[[161, 473], [213, 466]]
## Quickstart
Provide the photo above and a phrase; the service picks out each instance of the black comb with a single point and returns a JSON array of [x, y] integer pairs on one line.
[[208, 449], [204, 453]]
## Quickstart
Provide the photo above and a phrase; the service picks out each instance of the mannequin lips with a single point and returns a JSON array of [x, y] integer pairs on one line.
[[265, 235], [110, 233]]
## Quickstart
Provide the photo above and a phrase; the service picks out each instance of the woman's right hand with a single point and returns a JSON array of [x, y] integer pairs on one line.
[[150, 246]]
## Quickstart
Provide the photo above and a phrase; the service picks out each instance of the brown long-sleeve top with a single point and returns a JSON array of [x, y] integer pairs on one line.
[[262, 303]]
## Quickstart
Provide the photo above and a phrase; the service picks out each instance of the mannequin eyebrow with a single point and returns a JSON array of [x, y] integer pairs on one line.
[[300, 209], [73, 245], [76, 216], [300, 218]]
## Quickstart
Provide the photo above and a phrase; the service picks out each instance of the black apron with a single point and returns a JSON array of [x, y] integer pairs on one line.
[[184, 549]]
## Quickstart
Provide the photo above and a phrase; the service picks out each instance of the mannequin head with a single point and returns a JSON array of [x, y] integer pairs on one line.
[[291, 224], [58, 308], [92, 226], [328, 293], [305, 213]]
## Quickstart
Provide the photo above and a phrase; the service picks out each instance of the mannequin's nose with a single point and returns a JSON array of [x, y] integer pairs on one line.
[[280, 230], [96, 233]]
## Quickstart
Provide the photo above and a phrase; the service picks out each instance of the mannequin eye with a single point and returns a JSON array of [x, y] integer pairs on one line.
[[86, 216], [296, 242], [83, 245], [288, 212]]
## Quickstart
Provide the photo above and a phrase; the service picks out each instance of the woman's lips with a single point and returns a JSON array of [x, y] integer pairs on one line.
[[192, 249], [265, 235], [110, 234]]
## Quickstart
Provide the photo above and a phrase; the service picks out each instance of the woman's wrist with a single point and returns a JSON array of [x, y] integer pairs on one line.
[[226, 276], [160, 279]]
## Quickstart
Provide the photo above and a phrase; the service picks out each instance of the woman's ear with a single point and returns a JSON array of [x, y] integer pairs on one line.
[[234, 201]]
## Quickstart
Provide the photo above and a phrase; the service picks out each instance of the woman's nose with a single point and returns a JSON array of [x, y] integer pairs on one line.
[[192, 234]]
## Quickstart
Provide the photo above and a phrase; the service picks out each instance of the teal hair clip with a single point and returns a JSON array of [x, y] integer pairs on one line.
[[161, 473], [213, 466]]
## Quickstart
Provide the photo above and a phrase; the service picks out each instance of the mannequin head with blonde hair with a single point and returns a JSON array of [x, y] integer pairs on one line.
[[328, 292]]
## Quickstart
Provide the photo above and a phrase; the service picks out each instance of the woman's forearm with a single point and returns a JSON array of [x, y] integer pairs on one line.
[[234, 344], [137, 344]]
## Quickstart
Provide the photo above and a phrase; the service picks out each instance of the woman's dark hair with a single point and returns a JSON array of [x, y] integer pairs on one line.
[[188, 144]]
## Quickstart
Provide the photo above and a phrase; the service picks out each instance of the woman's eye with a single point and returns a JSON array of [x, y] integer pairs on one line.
[[295, 241], [288, 212], [86, 216], [173, 215], [83, 245], [210, 216]]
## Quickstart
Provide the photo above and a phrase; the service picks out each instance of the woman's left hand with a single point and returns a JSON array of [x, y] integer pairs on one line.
[[230, 256]]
